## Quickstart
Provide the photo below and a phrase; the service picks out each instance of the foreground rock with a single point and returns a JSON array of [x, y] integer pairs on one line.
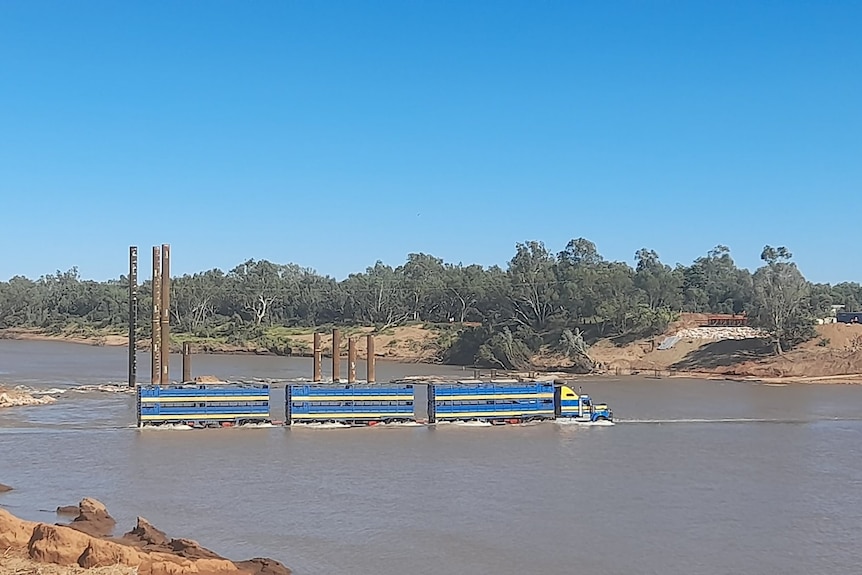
[[4, 488], [93, 519], [146, 534], [145, 549]]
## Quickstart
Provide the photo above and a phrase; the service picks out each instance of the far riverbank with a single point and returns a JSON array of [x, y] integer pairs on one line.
[[836, 357]]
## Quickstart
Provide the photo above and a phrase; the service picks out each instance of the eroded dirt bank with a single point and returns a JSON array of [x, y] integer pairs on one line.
[[834, 355]]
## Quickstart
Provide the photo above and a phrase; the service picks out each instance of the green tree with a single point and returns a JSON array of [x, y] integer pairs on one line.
[[195, 299], [848, 294], [534, 289], [254, 286], [618, 299], [423, 279], [661, 285], [20, 303], [781, 295], [464, 288], [714, 284], [377, 296], [579, 270]]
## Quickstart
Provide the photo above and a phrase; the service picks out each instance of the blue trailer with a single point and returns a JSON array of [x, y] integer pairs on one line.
[[496, 403], [203, 404], [365, 404]]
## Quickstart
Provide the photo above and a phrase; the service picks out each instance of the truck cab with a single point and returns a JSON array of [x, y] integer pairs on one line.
[[580, 406]]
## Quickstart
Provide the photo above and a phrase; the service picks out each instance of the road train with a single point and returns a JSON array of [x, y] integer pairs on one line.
[[234, 404]]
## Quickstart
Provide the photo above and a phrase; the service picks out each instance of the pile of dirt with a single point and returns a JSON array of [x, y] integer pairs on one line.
[[836, 352], [837, 336], [551, 361], [803, 363], [719, 356], [144, 550], [610, 356]]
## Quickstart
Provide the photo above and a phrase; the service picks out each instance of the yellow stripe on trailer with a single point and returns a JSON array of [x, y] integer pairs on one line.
[[325, 398], [480, 414], [204, 398], [194, 416], [348, 415], [494, 396]]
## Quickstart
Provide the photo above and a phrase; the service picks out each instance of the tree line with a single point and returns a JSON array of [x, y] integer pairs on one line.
[[500, 316]]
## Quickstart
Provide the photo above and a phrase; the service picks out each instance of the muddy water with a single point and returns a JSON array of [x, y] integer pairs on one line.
[[697, 477]]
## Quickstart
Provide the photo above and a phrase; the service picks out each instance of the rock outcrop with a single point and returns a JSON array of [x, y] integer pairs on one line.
[[145, 548], [17, 398], [93, 519], [4, 488], [146, 534], [68, 510], [720, 333], [262, 566]]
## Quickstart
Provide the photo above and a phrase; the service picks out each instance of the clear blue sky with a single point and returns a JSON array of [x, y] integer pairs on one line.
[[332, 134]]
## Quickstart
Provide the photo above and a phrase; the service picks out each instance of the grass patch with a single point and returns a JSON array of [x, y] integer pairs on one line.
[[279, 331]]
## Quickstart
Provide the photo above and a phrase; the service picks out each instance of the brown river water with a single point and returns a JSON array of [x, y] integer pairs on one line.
[[696, 477]]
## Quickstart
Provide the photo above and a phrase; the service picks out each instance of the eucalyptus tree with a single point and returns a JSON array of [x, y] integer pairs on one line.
[[848, 294], [618, 298], [197, 299], [253, 287], [422, 278], [495, 294], [821, 298], [464, 288], [20, 303], [317, 299], [108, 303], [714, 284], [660, 284], [781, 297], [534, 295], [377, 296], [579, 270]]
